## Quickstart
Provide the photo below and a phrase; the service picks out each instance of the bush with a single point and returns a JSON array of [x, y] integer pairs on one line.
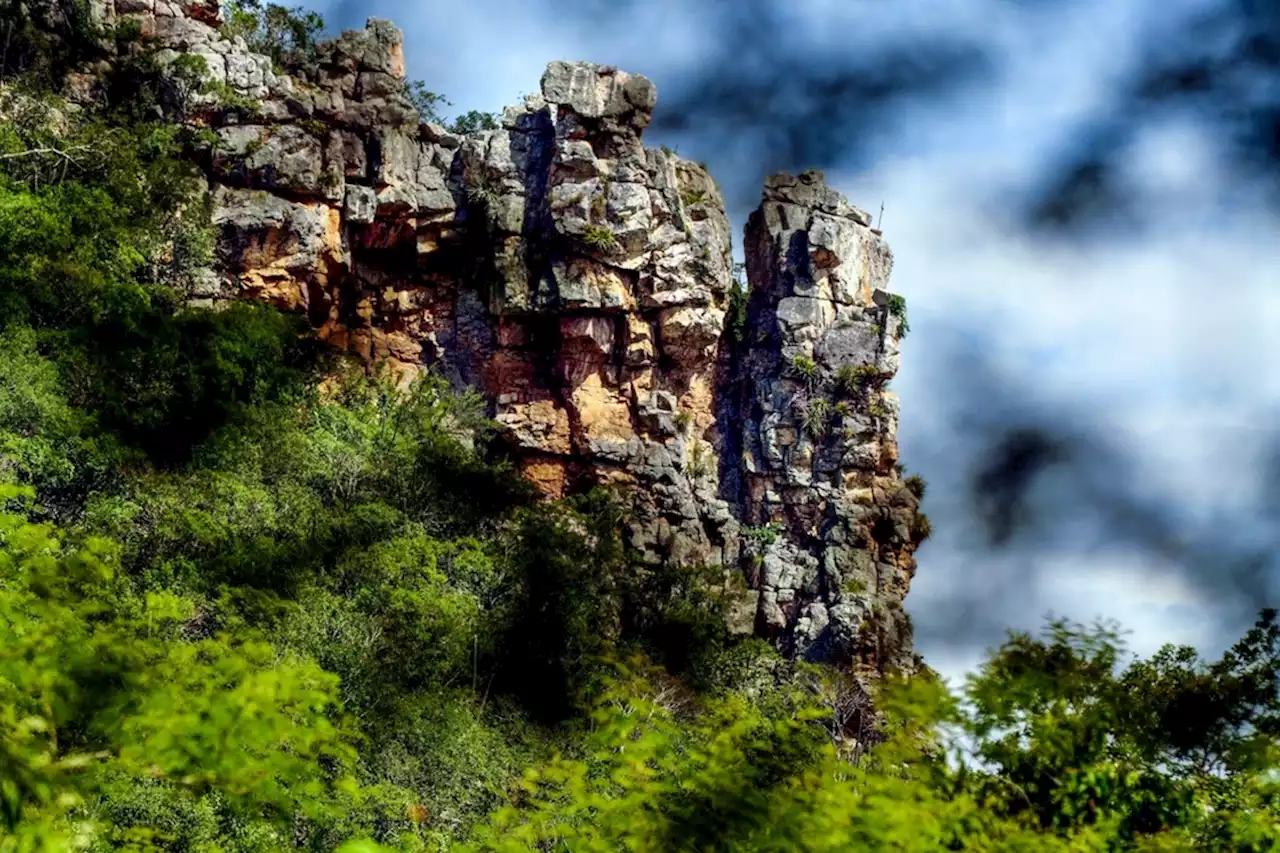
[[736, 319], [426, 102], [916, 485], [474, 121], [898, 308], [287, 34], [43, 41]]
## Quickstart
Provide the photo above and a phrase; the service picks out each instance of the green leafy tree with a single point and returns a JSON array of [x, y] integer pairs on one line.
[[287, 34], [1074, 739], [95, 681], [474, 121]]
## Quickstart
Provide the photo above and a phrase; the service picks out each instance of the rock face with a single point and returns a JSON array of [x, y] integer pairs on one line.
[[581, 281], [832, 523]]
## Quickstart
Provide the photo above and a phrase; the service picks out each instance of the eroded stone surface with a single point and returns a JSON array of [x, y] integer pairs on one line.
[[581, 281], [829, 540]]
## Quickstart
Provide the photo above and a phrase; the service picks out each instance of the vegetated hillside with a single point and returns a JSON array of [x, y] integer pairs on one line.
[[252, 598]]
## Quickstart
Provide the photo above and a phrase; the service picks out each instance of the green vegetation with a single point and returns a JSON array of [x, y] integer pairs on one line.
[[806, 370], [684, 420], [917, 485], [853, 380], [600, 237], [429, 103], [482, 190], [921, 528], [762, 536], [699, 461], [474, 121], [898, 308], [691, 197], [425, 101], [290, 35], [254, 599], [815, 417], [42, 42], [736, 316]]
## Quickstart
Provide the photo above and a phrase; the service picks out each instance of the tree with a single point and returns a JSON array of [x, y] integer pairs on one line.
[[1074, 739]]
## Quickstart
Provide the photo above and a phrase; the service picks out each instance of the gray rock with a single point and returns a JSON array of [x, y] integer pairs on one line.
[[360, 205], [598, 91]]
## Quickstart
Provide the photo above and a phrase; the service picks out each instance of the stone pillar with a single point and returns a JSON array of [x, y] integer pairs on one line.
[[828, 532]]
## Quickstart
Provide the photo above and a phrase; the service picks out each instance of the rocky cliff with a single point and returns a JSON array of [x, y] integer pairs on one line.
[[583, 283]]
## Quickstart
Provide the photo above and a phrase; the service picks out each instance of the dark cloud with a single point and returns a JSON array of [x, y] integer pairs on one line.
[[765, 92], [1219, 67], [1049, 478]]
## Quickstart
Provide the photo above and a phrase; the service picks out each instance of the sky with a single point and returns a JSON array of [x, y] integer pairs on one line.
[[1135, 359]]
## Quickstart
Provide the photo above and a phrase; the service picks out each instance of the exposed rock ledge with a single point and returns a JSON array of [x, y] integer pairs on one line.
[[581, 281]]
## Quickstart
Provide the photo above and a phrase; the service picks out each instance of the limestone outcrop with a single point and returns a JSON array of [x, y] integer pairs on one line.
[[582, 282], [832, 524]]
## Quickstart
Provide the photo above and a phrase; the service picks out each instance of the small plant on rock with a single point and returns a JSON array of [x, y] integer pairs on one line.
[[699, 463], [684, 420], [736, 316], [916, 485], [600, 237], [842, 409], [692, 197], [898, 308], [806, 370], [816, 416], [921, 528], [851, 379], [762, 536], [315, 127], [481, 191]]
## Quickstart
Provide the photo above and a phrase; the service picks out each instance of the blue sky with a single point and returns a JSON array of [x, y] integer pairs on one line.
[[1151, 345]]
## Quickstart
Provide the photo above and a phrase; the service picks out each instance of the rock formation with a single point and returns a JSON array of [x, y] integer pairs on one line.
[[582, 281]]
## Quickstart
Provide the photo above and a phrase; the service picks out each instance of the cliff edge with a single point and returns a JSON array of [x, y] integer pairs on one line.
[[585, 285]]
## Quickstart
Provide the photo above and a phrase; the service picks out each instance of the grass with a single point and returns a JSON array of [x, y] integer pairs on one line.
[[852, 379], [699, 462], [764, 535], [916, 485], [692, 197], [816, 417], [481, 191], [806, 369]]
